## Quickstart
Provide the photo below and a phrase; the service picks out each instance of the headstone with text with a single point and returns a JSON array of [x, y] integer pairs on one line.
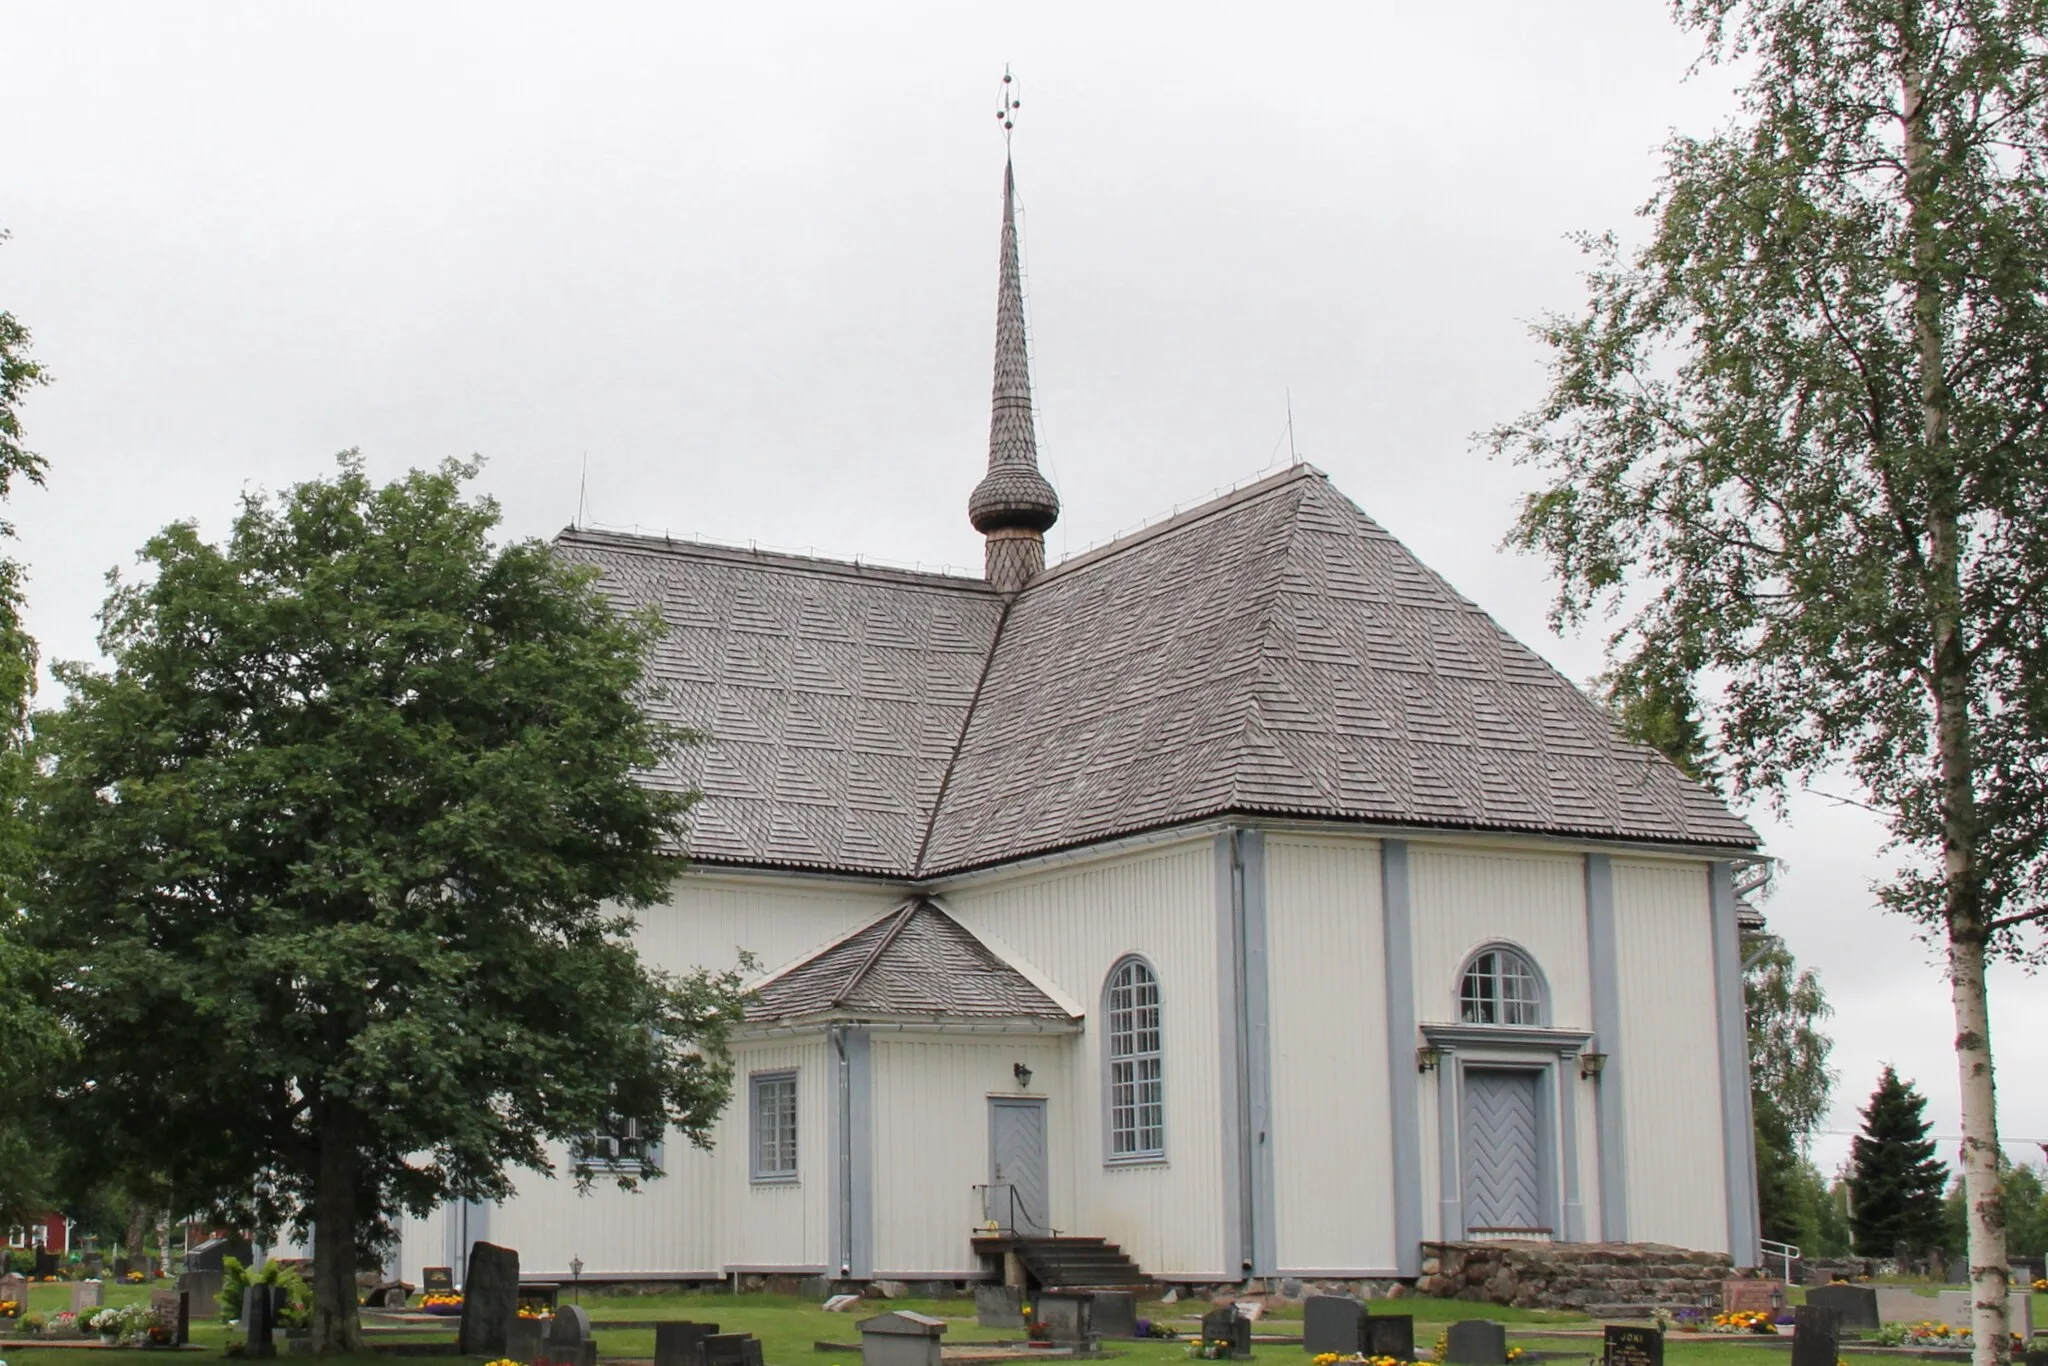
[[173, 1311], [1630, 1345], [681, 1344], [490, 1299], [1748, 1294], [1856, 1304], [1332, 1323], [1816, 1336], [1476, 1342], [1389, 1335], [437, 1280], [1228, 1326], [14, 1291], [2019, 1310], [87, 1296]]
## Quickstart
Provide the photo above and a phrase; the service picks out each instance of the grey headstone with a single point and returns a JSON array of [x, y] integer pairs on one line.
[[1816, 1336], [524, 1340], [569, 1342], [1227, 1325], [204, 1288], [490, 1299], [1627, 1345], [14, 1286], [1897, 1304], [87, 1295], [1476, 1342], [259, 1321], [1066, 1315], [998, 1306], [1389, 1335], [1330, 1323], [681, 1344], [1956, 1308], [900, 1338], [1114, 1314], [1856, 1304], [173, 1310]]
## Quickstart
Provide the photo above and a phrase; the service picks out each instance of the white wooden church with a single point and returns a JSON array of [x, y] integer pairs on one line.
[[1235, 892]]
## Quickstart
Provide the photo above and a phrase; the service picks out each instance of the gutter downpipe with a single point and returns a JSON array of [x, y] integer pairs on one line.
[[845, 1070]]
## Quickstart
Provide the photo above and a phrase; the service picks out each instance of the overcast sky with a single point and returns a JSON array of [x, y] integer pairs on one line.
[[740, 259]]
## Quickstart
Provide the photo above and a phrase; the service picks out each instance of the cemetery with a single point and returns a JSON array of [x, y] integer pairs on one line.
[[498, 1318]]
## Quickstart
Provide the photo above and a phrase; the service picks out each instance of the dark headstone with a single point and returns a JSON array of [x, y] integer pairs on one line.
[[1331, 1323], [1389, 1335], [568, 1341], [490, 1299], [681, 1344], [1476, 1342], [259, 1321], [1856, 1304], [732, 1349], [1227, 1325], [46, 1263], [1633, 1346], [1114, 1314], [524, 1340], [1067, 1316], [1816, 1336], [204, 1288], [437, 1280], [998, 1306], [207, 1256]]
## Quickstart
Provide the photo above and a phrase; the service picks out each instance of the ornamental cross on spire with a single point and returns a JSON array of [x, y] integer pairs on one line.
[[1014, 504]]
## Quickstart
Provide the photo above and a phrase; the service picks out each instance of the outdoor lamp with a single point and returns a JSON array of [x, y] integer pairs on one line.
[[1592, 1064], [1428, 1058], [1022, 1074]]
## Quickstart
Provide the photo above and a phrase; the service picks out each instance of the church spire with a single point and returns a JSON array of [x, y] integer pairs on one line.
[[1013, 505]]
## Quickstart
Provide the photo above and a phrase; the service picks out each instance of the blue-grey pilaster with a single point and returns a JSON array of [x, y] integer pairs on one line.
[[1450, 1190], [1567, 1102], [1404, 1101], [852, 1220], [1236, 1184], [1604, 969], [1258, 1036], [1738, 1134]]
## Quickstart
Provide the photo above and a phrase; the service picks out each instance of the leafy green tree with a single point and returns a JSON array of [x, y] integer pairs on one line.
[[28, 1036], [1788, 1053], [334, 861], [1895, 1180], [1797, 444]]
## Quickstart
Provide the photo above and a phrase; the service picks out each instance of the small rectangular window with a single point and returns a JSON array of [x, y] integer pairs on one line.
[[773, 1114], [619, 1146]]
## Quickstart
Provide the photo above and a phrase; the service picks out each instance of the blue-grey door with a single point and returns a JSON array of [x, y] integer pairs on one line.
[[1502, 1154], [1018, 1194]]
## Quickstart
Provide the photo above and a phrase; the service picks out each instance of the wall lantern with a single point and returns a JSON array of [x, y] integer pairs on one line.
[[1592, 1064], [1022, 1074], [1428, 1058]]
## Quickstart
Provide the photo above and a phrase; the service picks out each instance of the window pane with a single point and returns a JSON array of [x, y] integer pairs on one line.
[[1136, 1090]]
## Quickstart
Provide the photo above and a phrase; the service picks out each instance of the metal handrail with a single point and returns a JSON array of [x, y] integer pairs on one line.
[[1016, 1206], [1786, 1253]]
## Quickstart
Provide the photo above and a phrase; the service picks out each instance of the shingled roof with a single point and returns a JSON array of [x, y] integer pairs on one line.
[[916, 962], [1273, 652]]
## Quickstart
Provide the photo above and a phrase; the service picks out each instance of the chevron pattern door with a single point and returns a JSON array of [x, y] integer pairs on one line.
[[1017, 1162], [1503, 1172]]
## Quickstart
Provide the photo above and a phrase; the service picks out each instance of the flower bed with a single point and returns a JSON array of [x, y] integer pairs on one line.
[[441, 1302], [1930, 1333], [1753, 1321]]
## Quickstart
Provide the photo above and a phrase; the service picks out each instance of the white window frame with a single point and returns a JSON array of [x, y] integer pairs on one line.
[[1133, 1064], [779, 1145], [1517, 993], [619, 1147]]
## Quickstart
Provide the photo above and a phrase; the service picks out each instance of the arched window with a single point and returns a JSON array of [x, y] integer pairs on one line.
[[1500, 988], [1137, 1091]]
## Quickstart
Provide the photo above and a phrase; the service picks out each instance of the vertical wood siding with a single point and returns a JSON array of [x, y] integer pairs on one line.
[[1464, 899], [931, 1142], [1073, 924], [1677, 1188], [1332, 1144], [707, 921]]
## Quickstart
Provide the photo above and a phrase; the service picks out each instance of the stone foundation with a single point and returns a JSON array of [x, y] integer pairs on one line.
[[1616, 1280]]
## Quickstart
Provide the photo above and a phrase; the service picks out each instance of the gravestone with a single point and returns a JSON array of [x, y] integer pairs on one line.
[[568, 1341], [1816, 1336], [1633, 1346], [1476, 1342], [998, 1306], [732, 1349], [1897, 1304], [1748, 1295], [87, 1296], [2019, 1310], [2027, 1270], [490, 1300], [204, 1289], [1227, 1325], [14, 1289], [1114, 1314], [525, 1341], [259, 1322], [46, 1263], [437, 1280], [1332, 1323], [681, 1344], [207, 1256], [173, 1310], [1067, 1316], [900, 1338], [1857, 1304], [1389, 1335]]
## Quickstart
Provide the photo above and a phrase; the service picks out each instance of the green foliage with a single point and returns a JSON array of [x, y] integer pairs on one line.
[[338, 863], [1792, 1197], [296, 1307], [1788, 1053], [2024, 1204], [1895, 1180]]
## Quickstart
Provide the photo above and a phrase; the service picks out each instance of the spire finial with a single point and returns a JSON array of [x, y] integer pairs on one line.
[[1014, 504]]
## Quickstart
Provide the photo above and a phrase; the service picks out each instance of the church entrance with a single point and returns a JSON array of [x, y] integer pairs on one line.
[[1502, 1154], [1017, 1191]]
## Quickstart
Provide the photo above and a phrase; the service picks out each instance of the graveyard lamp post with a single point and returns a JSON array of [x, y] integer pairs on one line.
[[576, 1278]]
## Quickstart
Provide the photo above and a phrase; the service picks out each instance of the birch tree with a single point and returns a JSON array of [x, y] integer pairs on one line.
[[1793, 447]]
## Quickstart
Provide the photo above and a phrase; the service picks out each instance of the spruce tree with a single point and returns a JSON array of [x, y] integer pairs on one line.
[[1895, 1181]]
